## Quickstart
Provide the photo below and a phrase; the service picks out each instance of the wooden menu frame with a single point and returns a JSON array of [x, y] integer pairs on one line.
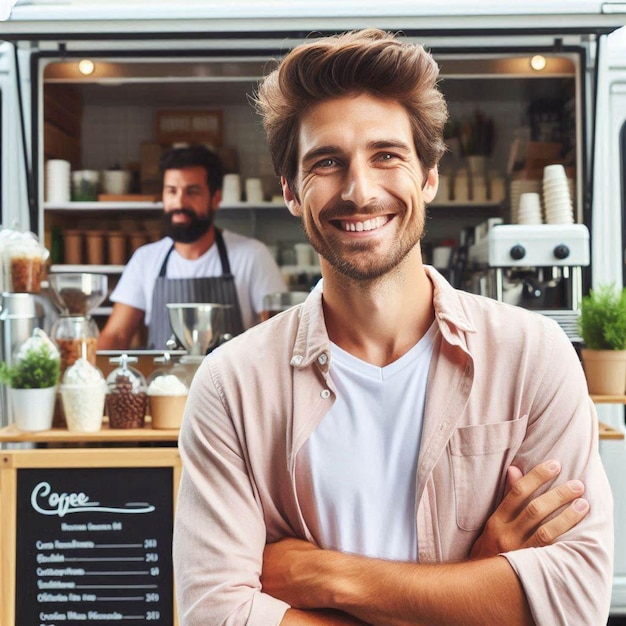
[[13, 461]]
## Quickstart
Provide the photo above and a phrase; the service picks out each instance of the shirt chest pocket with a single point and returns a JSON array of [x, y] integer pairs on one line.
[[479, 456]]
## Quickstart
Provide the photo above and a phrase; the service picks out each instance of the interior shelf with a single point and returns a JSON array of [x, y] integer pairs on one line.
[[91, 269], [148, 206]]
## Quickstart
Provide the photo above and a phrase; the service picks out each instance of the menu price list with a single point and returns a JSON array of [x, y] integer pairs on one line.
[[94, 546]]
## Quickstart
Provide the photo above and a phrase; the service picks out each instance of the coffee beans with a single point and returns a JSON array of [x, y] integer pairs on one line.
[[26, 274], [126, 404], [72, 349]]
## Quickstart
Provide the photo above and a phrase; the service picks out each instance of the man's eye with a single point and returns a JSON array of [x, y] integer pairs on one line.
[[325, 163], [386, 156]]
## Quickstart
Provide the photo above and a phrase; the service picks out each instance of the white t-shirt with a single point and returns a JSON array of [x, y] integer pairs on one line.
[[359, 466], [255, 271]]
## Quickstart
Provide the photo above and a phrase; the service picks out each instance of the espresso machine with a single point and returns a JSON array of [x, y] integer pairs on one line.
[[535, 266]]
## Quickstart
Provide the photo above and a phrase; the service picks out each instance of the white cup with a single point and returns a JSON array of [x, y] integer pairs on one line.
[[529, 211], [254, 190], [304, 256], [461, 188], [231, 189], [116, 182], [441, 257], [479, 189], [554, 172], [58, 180]]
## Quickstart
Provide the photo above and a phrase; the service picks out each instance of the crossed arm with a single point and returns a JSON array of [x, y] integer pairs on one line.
[[326, 587]]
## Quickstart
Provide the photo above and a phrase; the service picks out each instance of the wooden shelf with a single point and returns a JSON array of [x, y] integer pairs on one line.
[[11, 434], [91, 269], [157, 206], [608, 432], [609, 399]]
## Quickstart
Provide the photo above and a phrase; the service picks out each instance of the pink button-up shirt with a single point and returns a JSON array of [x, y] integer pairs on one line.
[[505, 387]]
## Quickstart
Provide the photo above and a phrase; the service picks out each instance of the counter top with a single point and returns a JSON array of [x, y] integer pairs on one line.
[[12, 434]]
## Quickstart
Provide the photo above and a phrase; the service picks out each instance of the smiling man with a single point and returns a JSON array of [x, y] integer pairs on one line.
[[393, 451], [194, 262]]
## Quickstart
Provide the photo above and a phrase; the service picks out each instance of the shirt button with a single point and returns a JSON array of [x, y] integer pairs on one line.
[[297, 360], [325, 394], [323, 359]]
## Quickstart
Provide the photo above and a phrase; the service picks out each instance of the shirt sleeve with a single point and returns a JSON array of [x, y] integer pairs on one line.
[[219, 530], [570, 581], [130, 288]]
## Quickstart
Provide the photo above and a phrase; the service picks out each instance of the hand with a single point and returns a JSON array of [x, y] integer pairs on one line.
[[288, 572], [521, 521]]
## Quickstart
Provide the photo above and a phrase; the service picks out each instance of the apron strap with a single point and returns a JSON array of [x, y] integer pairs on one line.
[[164, 265], [221, 247]]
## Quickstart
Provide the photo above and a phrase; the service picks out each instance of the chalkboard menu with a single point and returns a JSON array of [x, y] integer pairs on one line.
[[93, 545]]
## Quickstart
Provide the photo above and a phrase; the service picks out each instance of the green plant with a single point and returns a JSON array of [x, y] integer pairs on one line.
[[40, 367], [602, 321]]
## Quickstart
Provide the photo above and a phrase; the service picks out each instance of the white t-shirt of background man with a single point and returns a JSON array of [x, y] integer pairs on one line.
[[255, 271], [359, 467]]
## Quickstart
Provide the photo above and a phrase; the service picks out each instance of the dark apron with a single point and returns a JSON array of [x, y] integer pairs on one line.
[[218, 289]]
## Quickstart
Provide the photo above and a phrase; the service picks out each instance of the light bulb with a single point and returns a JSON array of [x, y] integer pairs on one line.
[[86, 67], [538, 62]]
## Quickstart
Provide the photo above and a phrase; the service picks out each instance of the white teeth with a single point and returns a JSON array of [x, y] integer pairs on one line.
[[371, 224]]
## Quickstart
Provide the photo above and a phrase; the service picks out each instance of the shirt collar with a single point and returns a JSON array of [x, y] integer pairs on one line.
[[312, 342]]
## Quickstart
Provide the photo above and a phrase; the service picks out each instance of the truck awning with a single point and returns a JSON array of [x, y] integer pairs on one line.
[[260, 19]]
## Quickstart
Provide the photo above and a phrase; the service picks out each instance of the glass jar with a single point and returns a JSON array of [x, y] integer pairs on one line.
[[168, 386], [127, 399], [24, 263], [76, 336]]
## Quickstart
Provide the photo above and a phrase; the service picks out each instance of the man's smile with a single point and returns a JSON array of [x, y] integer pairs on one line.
[[372, 223]]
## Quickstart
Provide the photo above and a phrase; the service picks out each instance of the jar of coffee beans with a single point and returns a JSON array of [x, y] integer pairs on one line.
[[127, 397]]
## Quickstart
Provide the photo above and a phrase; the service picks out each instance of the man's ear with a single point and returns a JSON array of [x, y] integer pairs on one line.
[[431, 184], [291, 200], [216, 199]]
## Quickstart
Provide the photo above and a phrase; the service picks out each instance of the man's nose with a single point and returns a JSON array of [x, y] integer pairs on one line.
[[359, 185]]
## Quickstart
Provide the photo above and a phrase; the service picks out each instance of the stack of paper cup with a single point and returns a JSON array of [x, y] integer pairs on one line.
[[556, 196], [58, 181], [231, 189], [529, 211]]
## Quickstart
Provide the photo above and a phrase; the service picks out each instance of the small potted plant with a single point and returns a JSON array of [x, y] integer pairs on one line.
[[32, 380], [602, 325]]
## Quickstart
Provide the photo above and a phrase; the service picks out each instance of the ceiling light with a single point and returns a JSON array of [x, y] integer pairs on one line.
[[538, 62], [86, 67]]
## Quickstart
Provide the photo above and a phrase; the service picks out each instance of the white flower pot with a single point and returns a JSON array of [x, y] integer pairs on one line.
[[33, 409]]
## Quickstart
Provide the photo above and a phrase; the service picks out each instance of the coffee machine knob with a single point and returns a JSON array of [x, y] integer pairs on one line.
[[561, 251], [517, 252]]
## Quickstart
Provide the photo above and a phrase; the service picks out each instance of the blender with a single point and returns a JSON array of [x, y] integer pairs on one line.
[[76, 332]]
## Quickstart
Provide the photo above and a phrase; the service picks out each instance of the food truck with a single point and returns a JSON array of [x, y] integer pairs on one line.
[[92, 92]]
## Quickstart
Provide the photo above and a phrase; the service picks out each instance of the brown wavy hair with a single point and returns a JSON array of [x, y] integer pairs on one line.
[[369, 61]]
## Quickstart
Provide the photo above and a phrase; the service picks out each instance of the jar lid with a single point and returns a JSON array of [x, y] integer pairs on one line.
[[125, 375]]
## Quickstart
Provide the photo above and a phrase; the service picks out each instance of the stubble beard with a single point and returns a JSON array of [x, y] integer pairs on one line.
[[351, 260]]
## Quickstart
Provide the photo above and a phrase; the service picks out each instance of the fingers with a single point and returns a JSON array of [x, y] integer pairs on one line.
[[513, 474], [523, 488], [550, 531], [548, 503]]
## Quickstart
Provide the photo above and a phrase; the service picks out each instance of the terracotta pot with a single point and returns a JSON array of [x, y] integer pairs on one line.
[[605, 371]]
